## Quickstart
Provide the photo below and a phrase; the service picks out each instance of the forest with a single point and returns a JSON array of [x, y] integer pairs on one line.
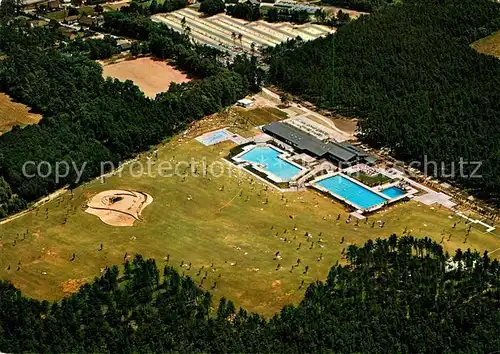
[[397, 295], [88, 119], [409, 74]]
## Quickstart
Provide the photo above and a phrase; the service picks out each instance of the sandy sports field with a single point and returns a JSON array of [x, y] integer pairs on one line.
[[118, 207], [150, 75], [13, 113]]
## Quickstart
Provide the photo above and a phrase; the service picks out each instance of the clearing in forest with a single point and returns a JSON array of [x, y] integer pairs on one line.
[[489, 45], [13, 113], [152, 76], [234, 235]]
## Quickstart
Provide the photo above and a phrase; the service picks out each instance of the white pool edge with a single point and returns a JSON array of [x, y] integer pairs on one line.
[[283, 155]]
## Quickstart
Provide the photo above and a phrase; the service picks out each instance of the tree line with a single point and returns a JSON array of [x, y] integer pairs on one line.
[[397, 295], [88, 119], [96, 48], [407, 71]]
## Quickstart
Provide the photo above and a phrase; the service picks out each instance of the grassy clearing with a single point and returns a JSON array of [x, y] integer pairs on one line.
[[13, 113], [489, 45], [227, 222], [57, 15], [115, 7], [244, 120], [87, 10]]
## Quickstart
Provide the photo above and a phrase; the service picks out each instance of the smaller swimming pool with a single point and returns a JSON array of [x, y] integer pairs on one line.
[[268, 158], [393, 192]]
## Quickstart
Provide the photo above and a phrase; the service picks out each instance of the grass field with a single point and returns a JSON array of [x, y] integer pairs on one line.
[[489, 45], [242, 119], [203, 220], [57, 15], [13, 113]]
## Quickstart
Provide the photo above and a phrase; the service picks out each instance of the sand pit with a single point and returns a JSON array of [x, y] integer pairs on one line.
[[151, 76], [118, 207]]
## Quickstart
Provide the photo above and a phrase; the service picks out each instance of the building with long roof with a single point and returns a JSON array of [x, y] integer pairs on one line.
[[341, 154]]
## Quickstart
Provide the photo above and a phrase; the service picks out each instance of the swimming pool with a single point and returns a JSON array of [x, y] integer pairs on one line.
[[268, 158], [213, 137], [393, 192], [352, 192]]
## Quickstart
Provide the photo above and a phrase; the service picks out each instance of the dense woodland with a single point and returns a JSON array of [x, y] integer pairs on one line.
[[87, 119], [393, 295], [408, 72]]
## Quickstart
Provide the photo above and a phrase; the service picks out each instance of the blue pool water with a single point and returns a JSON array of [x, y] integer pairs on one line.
[[215, 137], [393, 192], [353, 192], [268, 157]]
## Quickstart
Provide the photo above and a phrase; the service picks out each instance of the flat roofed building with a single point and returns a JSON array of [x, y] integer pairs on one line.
[[339, 153], [245, 102]]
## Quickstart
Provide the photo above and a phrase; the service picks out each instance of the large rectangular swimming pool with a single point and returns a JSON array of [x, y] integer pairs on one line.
[[354, 193], [268, 158]]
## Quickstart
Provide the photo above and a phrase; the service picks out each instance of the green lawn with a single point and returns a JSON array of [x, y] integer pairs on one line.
[[56, 15], [489, 45], [148, 3], [371, 181], [233, 228], [86, 10], [244, 118], [114, 7]]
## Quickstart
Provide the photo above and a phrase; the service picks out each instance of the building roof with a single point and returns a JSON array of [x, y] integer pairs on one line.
[[307, 142]]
